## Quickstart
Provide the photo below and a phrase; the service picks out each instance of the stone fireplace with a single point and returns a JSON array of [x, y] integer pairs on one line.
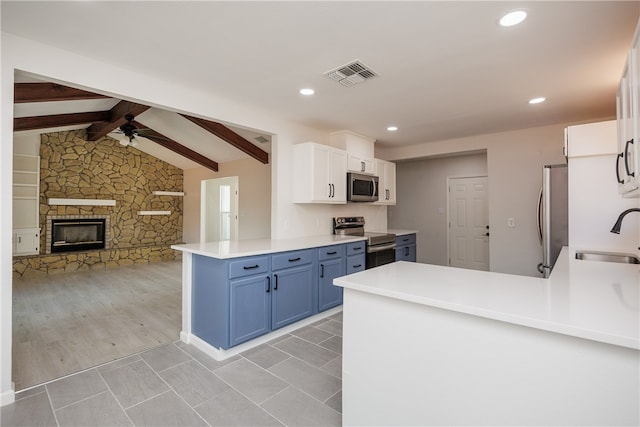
[[73, 168]]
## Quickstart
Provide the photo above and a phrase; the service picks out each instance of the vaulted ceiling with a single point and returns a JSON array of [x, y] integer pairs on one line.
[[106, 116]]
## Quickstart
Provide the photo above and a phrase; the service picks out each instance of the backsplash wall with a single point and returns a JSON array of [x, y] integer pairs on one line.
[[73, 168]]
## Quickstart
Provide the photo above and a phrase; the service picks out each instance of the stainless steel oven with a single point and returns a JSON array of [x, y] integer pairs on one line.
[[381, 247]]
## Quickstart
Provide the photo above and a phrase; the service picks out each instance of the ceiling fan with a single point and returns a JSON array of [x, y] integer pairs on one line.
[[129, 132]]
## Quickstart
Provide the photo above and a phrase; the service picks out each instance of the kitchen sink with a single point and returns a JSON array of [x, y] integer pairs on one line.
[[607, 257]]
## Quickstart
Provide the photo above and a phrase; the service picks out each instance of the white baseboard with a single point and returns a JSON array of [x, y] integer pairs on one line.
[[221, 354], [9, 396]]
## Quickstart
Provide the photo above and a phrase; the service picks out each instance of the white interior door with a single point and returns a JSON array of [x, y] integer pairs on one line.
[[469, 223], [219, 209]]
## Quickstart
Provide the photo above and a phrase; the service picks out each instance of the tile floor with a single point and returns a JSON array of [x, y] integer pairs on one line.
[[294, 380]]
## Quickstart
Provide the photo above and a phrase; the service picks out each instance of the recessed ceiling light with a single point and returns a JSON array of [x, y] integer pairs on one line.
[[392, 128], [307, 91], [513, 18], [537, 100]]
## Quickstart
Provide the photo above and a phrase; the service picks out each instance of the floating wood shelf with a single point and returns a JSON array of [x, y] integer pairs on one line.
[[82, 202], [154, 212], [169, 193]]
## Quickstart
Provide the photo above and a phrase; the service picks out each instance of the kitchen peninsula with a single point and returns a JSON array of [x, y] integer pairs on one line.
[[433, 345], [237, 294]]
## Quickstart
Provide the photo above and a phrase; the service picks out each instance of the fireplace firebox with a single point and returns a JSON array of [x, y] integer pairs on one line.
[[69, 235]]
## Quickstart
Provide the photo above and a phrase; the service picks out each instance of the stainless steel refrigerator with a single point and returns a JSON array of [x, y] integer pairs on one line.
[[553, 215]]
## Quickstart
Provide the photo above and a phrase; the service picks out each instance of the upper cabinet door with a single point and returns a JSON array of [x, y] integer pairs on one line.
[[338, 170], [319, 174], [386, 171], [628, 114], [360, 164]]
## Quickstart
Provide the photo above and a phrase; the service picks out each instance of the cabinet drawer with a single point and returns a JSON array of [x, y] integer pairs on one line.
[[291, 259], [248, 266], [356, 247], [407, 239], [355, 263], [330, 252]]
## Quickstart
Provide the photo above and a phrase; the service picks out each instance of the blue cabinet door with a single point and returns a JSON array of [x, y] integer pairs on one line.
[[328, 294], [406, 253], [406, 248], [250, 308], [292, 295]]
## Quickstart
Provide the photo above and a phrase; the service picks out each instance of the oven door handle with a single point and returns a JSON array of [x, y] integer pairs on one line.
[[372, 249]]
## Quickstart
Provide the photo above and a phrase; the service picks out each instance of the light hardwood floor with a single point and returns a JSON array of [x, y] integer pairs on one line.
[[69, 322]]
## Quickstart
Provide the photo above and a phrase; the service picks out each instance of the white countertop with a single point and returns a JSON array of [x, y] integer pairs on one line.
[[241, 248], [587, 299]]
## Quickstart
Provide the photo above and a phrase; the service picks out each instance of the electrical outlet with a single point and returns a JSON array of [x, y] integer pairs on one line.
[[511, 222]]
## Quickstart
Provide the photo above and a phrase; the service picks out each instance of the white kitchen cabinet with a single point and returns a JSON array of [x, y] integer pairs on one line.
[[359, 148], [386, 172], [361, 165], [628, 114], [26, 203], [26, 241], [319, 174]]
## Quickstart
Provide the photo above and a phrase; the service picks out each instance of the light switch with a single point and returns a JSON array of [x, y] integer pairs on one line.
[[511, 222]]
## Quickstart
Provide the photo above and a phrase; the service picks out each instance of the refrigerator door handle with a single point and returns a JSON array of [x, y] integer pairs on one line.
[[539, 217]]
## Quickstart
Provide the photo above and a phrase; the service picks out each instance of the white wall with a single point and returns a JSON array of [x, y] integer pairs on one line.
[[254, 201], [27, 143], [421, 186], [514, 166]]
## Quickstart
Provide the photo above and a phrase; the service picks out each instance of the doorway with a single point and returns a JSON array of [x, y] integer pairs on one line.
[[469, 222], [219, 209]]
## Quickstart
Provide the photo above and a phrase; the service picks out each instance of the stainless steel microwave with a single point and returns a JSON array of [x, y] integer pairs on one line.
[[362, 188]]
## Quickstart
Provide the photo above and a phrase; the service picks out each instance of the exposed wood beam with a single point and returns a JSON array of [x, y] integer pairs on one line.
[[229, 136], [42, 92], [176, 147], [116, 119], [57, 120]]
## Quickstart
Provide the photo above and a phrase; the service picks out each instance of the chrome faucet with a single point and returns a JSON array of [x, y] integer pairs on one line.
[[618, 224]]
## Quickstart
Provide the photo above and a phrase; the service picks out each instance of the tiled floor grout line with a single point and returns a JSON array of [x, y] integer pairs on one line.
[[114, 395], [267, 411], [293, 386], [259, 405], [328, 398], [55, 416], [171, 388], [81, 400]]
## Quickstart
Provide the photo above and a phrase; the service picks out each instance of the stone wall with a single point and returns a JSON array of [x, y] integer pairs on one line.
[[73, 168]]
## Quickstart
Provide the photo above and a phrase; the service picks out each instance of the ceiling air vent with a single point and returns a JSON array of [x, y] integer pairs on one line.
[[351, 74], [261, 139]]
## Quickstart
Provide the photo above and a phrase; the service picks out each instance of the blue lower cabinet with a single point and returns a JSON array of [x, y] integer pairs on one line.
[[329, 295], [250, 306], [236, 300], [292, 295], [406, 248], [356, 257]]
